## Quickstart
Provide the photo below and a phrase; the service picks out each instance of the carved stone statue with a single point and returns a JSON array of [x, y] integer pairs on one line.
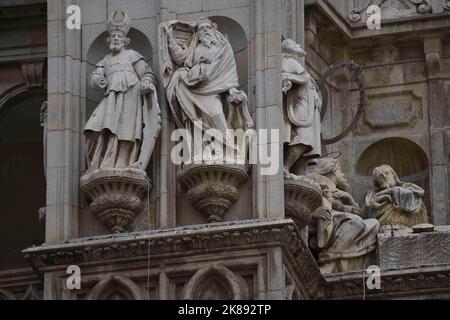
[[302, 105], [122, 131], [395, 204], [201, 81], [200, 75], [344, 241]]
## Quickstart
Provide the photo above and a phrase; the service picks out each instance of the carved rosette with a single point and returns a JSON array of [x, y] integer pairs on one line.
[[301, 197], [446, 5], [212, 189], [116, 196]]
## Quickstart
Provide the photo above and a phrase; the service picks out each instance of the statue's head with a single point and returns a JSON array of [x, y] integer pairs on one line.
[[331, 169], [384, 177], [208, 33], [118, 28], [292, 47]]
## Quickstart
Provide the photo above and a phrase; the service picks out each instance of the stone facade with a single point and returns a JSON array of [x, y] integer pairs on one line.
[[187, 238]]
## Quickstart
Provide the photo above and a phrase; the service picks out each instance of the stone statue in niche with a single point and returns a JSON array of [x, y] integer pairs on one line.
[[200, 76], [396, 204], [302, 103], [343, 240], [122, 131]]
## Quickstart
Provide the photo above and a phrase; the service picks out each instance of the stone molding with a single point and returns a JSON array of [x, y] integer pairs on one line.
[[181, 240]]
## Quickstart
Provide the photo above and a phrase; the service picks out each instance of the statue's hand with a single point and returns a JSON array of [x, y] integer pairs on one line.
[[356, 210], [321, 213], [147, 87], [345, 197], [287, 85], [100, 82]]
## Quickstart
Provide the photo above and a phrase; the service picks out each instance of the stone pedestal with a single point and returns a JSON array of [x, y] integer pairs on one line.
[[212, 189], [301, 197], [116, 196]]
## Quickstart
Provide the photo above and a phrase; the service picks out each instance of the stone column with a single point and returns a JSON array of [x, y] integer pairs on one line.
[[168, 185], [266, 44], [438, 119], [65, 112], [64, 124]]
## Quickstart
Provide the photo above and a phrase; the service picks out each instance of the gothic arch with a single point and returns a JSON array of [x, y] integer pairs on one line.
[[115, 287], [214, 283]]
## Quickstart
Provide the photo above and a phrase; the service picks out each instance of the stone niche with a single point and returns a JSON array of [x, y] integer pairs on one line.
[[186, 213], [89, 224], [405, 156]]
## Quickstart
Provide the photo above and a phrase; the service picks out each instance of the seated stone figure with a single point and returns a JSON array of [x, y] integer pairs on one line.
[[395, 204], [344, 241]]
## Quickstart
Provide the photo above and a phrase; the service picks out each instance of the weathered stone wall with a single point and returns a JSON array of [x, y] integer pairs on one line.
[[405, 75]]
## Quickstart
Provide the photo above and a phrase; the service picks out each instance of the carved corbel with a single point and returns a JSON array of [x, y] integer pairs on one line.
[[433, 55]]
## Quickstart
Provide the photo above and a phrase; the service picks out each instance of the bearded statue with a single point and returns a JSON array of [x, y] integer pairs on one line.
[[396, 204], [200, 77]]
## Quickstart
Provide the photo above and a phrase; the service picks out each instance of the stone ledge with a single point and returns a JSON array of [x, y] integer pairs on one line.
[[182, 240]]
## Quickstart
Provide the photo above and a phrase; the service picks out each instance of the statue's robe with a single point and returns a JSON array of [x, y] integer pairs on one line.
[[192, 100], [345, 241], [405, 210], [302, 123], [123, 113]]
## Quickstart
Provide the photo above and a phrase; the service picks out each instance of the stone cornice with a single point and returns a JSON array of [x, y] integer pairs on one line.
[[178, 241], [393, 26]]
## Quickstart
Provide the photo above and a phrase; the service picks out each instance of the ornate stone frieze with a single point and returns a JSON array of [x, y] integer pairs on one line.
[[176, 241]]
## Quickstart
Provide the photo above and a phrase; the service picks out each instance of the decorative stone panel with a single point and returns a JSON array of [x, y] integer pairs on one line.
[[397, 109]]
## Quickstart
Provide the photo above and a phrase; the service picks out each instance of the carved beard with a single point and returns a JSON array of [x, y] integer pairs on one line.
[[116, 47], [385, 183]]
